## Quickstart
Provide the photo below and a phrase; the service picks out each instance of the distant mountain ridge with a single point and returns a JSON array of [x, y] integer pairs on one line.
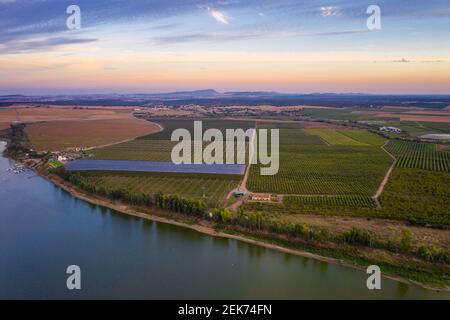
[[211, 97]]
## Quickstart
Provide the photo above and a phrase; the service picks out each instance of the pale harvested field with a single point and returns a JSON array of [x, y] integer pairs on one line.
[[61, 135], [303, 124], [4, 125], [421, 116], [430, 113], [163, 112], [272, 108], [406, 117], [442, 113], [34, 114], [399, 108]]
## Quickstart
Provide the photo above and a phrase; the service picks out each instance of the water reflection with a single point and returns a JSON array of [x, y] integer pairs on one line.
[[128, 257]]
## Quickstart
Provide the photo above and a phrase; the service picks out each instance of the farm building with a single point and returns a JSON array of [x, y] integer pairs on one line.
[[436, 137], [260, 197], [390, 129]]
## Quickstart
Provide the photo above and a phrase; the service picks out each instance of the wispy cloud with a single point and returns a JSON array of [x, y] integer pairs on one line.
[[36, 45], [330, 11], [244, 36], [403, 60], [218, 15]]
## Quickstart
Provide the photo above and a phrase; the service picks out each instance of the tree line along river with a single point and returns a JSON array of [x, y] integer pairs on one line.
[[43, 230]]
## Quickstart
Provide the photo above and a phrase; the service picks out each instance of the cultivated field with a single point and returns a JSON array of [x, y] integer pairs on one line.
[[335, 138], [61, 135], [333, 164], [158, 147], [312, 203], [419, 156], [212, 189], [421, 196]]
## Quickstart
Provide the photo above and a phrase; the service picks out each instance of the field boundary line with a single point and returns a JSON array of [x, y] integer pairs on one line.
[[161, 129]]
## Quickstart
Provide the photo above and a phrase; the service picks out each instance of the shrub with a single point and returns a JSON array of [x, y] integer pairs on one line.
[[433, 254], [405, 241], [356, 236]]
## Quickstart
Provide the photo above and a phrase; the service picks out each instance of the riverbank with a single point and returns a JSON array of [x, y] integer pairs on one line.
[[210, 230], [282, 244]]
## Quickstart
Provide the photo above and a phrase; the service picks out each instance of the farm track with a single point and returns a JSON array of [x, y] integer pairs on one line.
[[380, 190], [243, 184]]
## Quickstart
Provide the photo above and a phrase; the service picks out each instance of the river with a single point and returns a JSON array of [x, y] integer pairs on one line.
[[44, 229]]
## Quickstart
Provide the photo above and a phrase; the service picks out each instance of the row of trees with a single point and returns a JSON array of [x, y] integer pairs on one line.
[[167, 202], [256, 220], [16, 136], [175, 203]]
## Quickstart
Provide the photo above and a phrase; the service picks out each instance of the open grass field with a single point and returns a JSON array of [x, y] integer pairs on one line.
[[309, 166], [213, 189], [61, 135], [340, 114], [419, 155], [364, 137], [335, 138]]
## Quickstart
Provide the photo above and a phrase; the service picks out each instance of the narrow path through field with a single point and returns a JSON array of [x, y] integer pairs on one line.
[[243, 185], [380, 190]]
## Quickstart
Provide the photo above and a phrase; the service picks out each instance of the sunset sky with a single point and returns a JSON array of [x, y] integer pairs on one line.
[[144, 46]]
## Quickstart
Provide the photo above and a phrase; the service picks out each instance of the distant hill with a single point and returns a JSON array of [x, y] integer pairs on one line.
[[211, 97]]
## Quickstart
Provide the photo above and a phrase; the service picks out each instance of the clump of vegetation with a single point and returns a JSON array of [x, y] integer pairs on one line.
[[17, 137], [405, 241], [357, 236], [433, 254]]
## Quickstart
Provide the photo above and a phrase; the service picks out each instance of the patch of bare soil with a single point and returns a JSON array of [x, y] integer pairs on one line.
[[61, 135], [380, 228]]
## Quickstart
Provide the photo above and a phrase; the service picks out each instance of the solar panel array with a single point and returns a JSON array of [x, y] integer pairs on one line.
[[153, 166]]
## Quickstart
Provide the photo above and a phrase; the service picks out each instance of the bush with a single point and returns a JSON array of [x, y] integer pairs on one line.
[[405, 241], [433, 254], [356, 236]]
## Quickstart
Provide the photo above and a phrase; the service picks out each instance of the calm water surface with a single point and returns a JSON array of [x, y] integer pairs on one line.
[[44, 229]]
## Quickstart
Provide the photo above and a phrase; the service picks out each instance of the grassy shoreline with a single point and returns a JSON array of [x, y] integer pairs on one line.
[[405, 274]]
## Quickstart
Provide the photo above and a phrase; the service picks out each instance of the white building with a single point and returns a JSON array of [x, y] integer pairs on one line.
[[390, 129]]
